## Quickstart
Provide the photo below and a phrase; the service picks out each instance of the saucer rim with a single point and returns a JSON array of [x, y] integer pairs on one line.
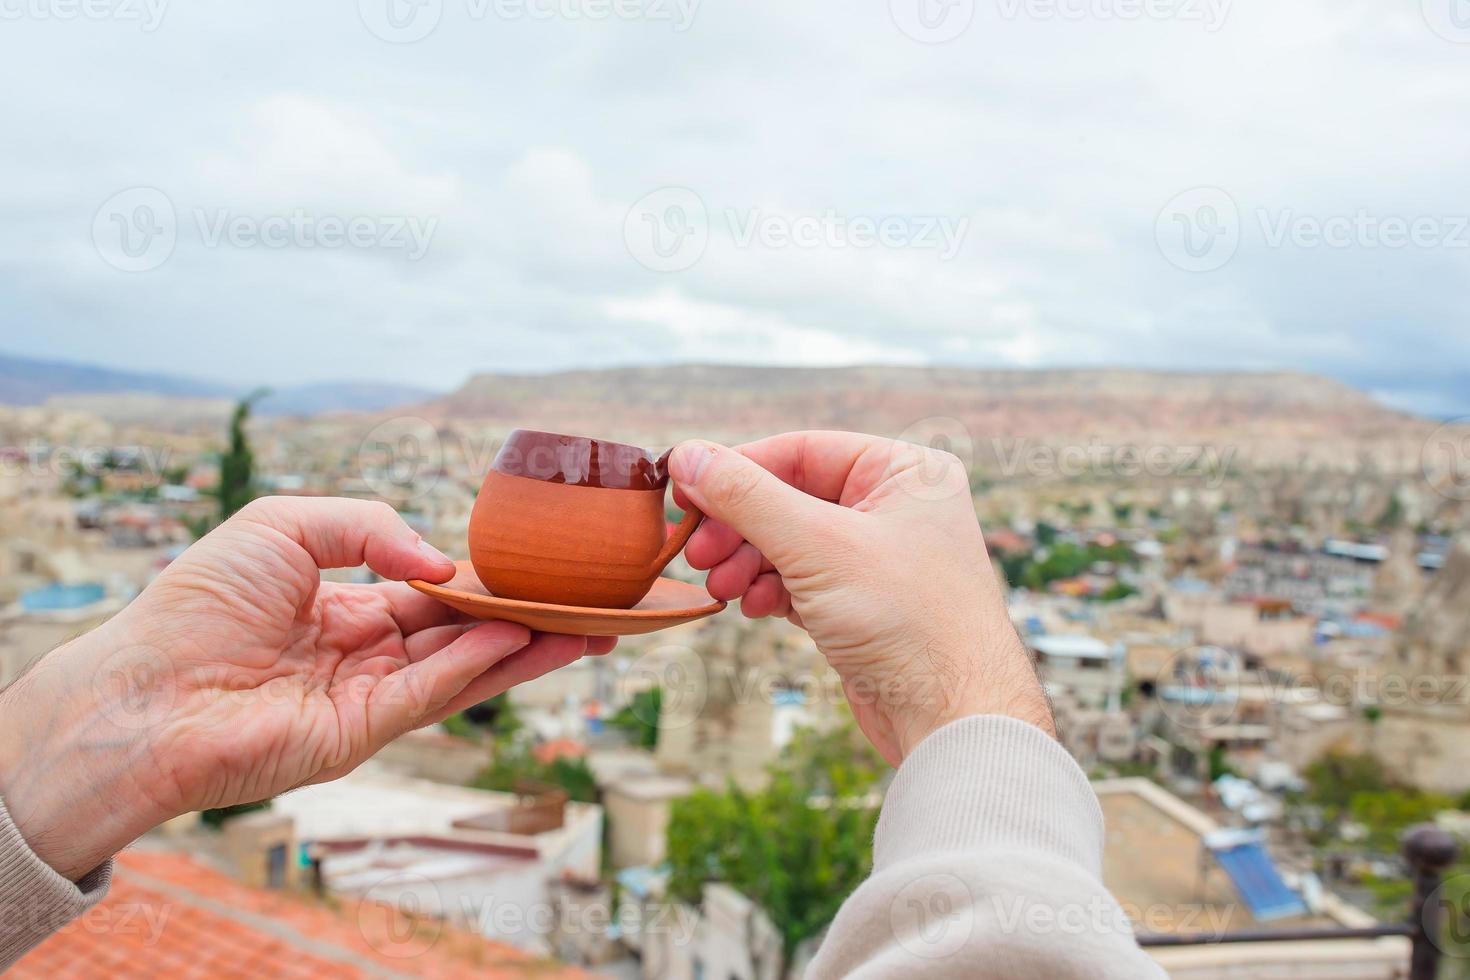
[[439, 590]]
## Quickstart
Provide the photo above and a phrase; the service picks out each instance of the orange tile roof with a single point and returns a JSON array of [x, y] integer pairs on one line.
[[170, 915], [559, 748]]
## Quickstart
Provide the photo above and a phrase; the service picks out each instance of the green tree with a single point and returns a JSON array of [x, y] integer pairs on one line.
[[639, 718], [515, 765], [796, 848], [237, 466]]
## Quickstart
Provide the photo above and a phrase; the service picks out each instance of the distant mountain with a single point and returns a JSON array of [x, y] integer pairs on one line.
[[24, 381], [347, 396], [741, 401]]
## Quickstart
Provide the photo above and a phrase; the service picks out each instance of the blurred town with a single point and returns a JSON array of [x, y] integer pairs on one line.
[[1248, 596]]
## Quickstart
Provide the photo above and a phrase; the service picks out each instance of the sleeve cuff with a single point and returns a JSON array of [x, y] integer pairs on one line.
[[990, 782], [35, 900]]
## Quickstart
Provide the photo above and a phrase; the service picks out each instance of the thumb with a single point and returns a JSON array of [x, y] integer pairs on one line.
[[747, 498]]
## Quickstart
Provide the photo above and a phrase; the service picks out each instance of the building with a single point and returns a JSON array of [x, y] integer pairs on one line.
[[1093, 671], [482, 860], [1157, 865], [638, 809]]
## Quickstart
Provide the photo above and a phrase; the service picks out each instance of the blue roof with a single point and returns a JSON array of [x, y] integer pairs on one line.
[[1255, 877], [51, 598]]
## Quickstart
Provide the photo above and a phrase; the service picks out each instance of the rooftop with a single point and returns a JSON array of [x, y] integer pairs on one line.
[[170, 915]]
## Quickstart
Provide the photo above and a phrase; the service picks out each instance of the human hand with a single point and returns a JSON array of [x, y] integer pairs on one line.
[[873, 547], [238, 674]]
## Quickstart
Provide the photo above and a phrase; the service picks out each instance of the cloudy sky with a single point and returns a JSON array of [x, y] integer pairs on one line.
[[415, 190]]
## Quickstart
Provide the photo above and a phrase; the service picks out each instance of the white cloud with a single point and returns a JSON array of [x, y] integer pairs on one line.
[[1057, 140]]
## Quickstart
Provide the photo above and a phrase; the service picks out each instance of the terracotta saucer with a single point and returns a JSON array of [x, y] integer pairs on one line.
[[670, 603]]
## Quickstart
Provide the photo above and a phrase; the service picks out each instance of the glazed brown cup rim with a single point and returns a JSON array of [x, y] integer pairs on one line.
[[583, 461]]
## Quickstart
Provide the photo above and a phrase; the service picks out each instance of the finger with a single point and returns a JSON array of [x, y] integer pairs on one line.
[[414, 611], [547, 652], [341, 533], [404, 698], [598, 646], [711, 544], [742, 495], [731, 577], [842, 467], [765, 597], [432, 640]]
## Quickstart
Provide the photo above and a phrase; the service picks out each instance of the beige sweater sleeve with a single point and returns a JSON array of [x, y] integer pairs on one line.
[[35, 901], [986, 863]]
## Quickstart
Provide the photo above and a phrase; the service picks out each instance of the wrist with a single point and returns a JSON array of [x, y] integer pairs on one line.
[[1003, 683], [73, 758]]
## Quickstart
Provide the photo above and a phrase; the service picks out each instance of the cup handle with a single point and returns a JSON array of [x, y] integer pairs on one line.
[[678, 539], [687, 524]]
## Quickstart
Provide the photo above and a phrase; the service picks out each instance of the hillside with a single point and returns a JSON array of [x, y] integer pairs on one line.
[[1259, 408]]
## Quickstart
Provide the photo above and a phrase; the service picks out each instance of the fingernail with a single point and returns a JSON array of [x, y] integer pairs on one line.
[[689, 460], [433, 554]]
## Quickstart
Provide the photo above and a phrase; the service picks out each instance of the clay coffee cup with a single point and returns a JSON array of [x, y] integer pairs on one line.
[[573, 521]]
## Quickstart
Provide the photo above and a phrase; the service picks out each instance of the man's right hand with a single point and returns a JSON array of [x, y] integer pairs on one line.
[[873, 547]]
